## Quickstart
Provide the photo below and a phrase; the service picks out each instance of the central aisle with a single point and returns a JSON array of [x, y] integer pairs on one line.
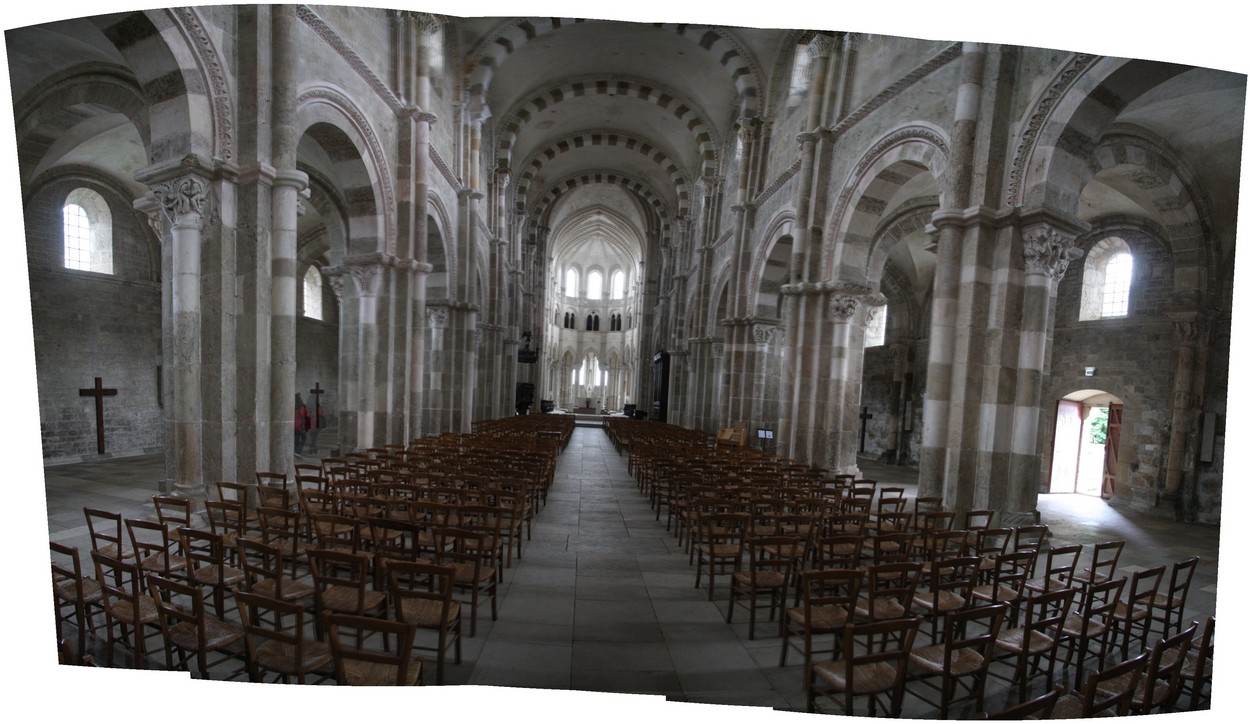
[[604, 600]]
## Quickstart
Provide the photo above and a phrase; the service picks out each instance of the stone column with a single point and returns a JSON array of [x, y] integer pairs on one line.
[[1189, 331], [847, 308], [182, 197], [895, 445]]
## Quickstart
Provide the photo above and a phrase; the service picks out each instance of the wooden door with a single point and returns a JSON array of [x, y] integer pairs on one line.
[[1066, 451], [1111, 459]]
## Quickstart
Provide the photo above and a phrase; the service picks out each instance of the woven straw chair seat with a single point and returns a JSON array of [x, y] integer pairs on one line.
[[946, 601], [217, 633], [280, 656], [291, 590], [122, 610], [1004, 593], [207, 575], [464, 573], [882, 608], [763, 579], [427, 613], [346, 598], [91, 592], [372, 673], [869, 678], [1074, 625], [932, 660], [1013, 640], [824, 618]]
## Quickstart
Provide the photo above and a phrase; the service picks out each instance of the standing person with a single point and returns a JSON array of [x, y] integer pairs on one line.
[[318, 422], [301, 424]]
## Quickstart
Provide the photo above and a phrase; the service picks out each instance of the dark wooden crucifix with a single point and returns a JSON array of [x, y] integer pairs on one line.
[[99, 392], [316, 392], [864, 417]]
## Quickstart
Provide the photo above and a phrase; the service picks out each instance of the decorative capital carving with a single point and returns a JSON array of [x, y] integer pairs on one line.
[[182, 196], [427, 23], [1048, 251], [820, 46], [436, 317], [718, 350], [845, 299], [336, 275], [765, 334]]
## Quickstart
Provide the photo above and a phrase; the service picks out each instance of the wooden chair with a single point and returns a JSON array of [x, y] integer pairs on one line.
[[1031, 646], [1005, 583], [172, 511], [1159, 686], [71, 588], [273, 631], [828, 602], [239, 493], [1135, 612], [228, 519], [888, 591], [468, 553], [205, 552], [156, 548], [264, 569], [423, 594], [280, 527], [1090, 627], [1169, 606], [105, 529], [961, 660], [769, 564], [127, 608], [873, 664], [1088, 702], [273, 489], [1195, 675], [360, 666], [1061, 563], [341, 584], [719, 548], [949, 589], [989, 544], [188, 631], [1105, 559]]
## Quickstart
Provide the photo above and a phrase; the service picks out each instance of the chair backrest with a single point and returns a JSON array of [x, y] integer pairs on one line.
[[425, 583], [121, 585], [946, 544], [770, 555], [170, 614], [271, 619], [235, 492], [377, 668], [261, 562], [67, 578], [932, 521], [226, 517], [971, 631], [869, 647], [853, 523], [892, 581], [151, 541], [1038, 708], [978, 519], [278, 523], [273, 489], [954, 575], [1011, 571], [105, 528], [830, 587], [1178, 582], [172, 510], [992, 541], [892, 547], [892, 522], [1161, 684], [1044, 614], [928, 503], [1120, 697], [1061, 564], [204, 550], [342, 570], [1105, 560], [1143, 587], [1029, 537], [839, 551], [1098, 601]]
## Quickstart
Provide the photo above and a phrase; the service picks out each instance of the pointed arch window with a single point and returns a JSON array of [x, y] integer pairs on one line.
[[312, 293], [1107, 280], [87, 225]]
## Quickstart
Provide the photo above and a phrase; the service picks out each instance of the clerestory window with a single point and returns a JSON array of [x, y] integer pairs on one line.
[[87, 225], [1107, 280]]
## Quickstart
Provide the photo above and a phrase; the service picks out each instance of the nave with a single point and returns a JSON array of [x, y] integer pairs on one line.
[[603, 598]]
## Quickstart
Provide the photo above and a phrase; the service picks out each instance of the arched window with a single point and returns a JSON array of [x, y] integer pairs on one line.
[[594, 285], [874, 332], [618, 285], [1106, 280], [570, 282], [87, 225], [312, 293]]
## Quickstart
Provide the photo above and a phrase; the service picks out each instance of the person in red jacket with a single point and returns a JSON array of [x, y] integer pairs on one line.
[[301, 424]]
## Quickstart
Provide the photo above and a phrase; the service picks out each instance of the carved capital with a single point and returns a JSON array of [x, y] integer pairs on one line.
[[844, 300], [1048, 251], [765, 334], [718, 350], [820, 46], [436, 317], [427, 23], [337, 276], [181, 197]]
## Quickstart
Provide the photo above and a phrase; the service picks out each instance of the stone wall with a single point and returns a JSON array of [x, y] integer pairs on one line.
[[89, 325]]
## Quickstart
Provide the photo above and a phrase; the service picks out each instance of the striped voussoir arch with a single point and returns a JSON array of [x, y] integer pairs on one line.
[[644, 190], [586, 139], [511, 37], [664, 98]]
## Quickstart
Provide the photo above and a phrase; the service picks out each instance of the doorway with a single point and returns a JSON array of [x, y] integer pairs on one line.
[[1084, 453]]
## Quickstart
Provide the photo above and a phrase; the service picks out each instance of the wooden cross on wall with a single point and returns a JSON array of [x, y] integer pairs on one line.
[[99, 392], [316, 392], [863, 428]]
